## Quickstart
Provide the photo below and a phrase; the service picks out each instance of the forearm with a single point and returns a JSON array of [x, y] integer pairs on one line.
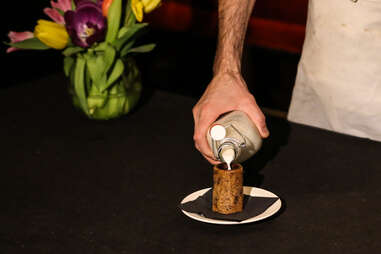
[[233, 17]]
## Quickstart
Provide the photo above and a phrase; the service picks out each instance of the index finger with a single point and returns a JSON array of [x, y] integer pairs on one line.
[[205, 119]]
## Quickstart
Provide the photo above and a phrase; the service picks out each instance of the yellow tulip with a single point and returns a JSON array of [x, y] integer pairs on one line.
[[150, 5], [51, 34], [139, 7]]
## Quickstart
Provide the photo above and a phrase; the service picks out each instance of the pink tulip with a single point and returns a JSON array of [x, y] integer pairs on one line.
[[54, 14], [63, 5], [17, 37]]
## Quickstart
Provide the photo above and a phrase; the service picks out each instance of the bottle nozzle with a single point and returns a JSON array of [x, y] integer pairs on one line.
[[227, 155]]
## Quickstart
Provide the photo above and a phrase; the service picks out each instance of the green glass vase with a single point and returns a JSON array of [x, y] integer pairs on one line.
[[119, 99]]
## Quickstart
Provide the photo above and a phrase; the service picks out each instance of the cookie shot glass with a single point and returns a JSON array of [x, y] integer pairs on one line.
[[227, 189]]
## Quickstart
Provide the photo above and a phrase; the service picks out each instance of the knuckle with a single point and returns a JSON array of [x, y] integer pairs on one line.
[[195, 113], [202, 109], [251, 98], [205, 107], [197, 138], [197, 146], [247, 101], [194, 109], [261, 120], [261, 117]]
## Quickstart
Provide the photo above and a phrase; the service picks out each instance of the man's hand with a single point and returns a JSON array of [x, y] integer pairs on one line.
[[226, 92]]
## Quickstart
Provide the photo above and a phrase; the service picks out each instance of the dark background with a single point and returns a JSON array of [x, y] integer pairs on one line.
[[71, 201], [181, 63]]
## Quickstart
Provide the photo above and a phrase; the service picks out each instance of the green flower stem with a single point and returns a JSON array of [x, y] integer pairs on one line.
[[113, 22], [79, 82]]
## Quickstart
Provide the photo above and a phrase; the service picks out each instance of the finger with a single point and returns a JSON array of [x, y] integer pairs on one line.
[[195, 113], [259, 119], [208, 156], [211, 160], [205, 120]]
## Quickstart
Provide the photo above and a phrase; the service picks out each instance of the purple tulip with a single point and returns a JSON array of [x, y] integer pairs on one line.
[[78, 2], [86, 25]]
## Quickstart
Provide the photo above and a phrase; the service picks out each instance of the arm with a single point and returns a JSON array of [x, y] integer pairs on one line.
[[227, 91], [233, 17]]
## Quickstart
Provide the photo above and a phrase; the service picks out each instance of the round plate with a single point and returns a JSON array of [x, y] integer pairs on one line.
[[252, 191]]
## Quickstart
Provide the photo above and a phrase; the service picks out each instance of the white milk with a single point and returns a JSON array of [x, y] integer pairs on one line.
[[228, 155]]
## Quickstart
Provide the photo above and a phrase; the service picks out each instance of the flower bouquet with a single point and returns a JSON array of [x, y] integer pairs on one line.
[[97, 39]]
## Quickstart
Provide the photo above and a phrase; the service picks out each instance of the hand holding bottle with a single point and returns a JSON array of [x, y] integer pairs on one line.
[[227, 92]]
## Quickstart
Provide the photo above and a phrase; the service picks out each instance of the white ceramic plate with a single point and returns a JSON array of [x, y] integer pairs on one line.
[[252, 191]]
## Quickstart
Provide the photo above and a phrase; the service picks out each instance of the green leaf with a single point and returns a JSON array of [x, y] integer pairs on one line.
[[68, 65], [115, 74], [60, 11], [79, 83], [126, 48], [72, 50], [130, 17], [142, 49], [73, 7], [132, 32], [101, 46], [115, 106], [95, 66], [88, 82], [101, 82], [32, 43], [114, 16], [122, 31], [109, 58], [96, 99]]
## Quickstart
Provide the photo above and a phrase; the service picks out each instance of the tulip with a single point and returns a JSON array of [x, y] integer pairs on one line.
[[51, 34], [79, 2], [57, 7], [63, 5], [105, 6], [17, 37], [137, 8], [143, 6], [54, 15], [150, 5], [86, 25]]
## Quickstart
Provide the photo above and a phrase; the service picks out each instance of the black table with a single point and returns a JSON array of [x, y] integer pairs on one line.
[[73, 185]]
